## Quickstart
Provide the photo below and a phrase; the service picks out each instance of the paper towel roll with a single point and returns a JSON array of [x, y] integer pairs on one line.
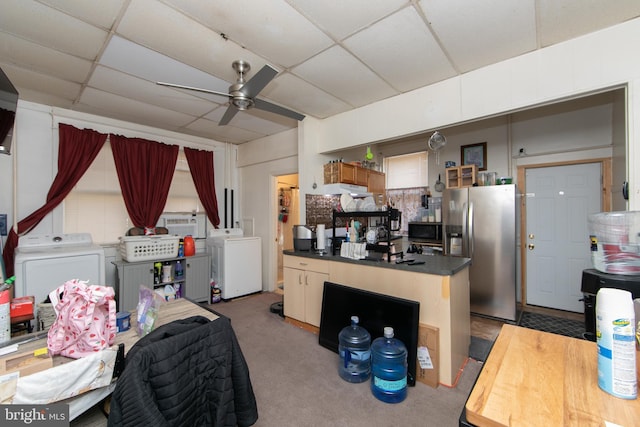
[[321, 238]]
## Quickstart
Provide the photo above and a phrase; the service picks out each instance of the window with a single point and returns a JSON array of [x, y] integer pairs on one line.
[[407, 170], [96, 205]]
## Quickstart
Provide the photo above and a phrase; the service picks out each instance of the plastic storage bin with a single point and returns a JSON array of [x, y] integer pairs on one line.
[[615, 242], [143, 248]]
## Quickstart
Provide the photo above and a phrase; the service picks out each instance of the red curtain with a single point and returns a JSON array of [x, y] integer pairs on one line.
[[145, 169], [77, 150], [202, 172]]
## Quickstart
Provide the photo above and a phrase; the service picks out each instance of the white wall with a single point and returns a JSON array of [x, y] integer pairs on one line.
[[259, 163]]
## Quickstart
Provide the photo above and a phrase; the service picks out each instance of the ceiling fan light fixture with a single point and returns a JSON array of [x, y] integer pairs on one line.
[[242, 103]]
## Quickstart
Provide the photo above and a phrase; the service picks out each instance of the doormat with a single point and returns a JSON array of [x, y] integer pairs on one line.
[[479, 348], [555, 325]]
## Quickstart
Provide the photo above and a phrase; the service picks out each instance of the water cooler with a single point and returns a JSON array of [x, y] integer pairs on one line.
[[592, 281]]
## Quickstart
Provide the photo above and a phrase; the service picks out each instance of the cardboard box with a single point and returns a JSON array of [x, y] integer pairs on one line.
[[22, 306], [429, 338]]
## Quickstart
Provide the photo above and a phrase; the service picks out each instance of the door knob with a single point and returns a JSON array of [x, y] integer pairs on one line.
[[531, 246]]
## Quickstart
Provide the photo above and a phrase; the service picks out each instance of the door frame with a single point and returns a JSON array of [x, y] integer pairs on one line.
[[605, 199]]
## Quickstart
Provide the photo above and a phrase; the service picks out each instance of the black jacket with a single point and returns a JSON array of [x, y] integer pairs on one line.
[[190, 372]]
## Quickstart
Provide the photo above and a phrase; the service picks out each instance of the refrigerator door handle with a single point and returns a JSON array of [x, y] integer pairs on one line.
[[465, 230], [469, 224]]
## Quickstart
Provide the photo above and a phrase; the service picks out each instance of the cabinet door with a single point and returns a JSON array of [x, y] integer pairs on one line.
[[375, 182], [347, 173], [197, 286], [362, 175], [130, 278], [313, 290], [294, 293]]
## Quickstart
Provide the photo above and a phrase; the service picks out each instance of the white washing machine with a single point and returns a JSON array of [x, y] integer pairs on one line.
[[236, 262], [44, 262]]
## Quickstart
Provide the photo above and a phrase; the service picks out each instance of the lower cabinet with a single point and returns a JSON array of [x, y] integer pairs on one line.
[[193, 283], [303, 286], [197, 285]]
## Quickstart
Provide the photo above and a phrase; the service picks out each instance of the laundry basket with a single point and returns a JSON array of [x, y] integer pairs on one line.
[[144, 248]]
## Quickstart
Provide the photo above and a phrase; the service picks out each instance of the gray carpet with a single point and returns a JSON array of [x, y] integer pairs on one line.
[[296, 380]]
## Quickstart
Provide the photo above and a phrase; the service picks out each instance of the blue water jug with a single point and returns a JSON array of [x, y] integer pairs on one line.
[[389, 368], [354, 347]]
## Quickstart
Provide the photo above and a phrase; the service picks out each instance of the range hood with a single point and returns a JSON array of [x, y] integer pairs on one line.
[[340, 188]]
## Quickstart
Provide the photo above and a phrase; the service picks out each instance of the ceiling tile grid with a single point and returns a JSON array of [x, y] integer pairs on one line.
[[105, 57]]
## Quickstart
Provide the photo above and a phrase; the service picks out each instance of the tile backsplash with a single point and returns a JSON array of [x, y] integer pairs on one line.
[[319, 208]]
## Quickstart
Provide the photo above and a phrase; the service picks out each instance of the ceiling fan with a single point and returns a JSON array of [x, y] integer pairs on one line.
[[242, 94]]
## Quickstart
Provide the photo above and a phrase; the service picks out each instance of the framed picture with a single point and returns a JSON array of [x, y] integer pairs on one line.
[[474, 154]]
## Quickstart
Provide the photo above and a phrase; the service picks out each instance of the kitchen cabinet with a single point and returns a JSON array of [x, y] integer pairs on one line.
[[194, 282], [461, 176], [349, 173], [375, 182], [303, 287]]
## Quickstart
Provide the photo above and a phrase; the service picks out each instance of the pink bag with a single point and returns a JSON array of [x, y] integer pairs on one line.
[[85, 319]]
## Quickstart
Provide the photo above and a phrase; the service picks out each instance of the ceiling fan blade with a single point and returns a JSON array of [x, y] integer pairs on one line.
[[228, 115], [268, 106], [259, 80], [197, 89]]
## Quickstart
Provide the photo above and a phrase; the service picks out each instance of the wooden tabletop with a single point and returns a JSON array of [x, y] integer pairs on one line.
[[180, 308], [534, 378]]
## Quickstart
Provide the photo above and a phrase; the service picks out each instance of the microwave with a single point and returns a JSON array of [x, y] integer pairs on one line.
[[430, 232]]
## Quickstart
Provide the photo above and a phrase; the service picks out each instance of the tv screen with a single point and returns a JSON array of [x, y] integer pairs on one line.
[[375, 311], [8, 107]]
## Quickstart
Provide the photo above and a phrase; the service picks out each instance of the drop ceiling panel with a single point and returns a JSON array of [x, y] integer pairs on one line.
[[133, 111], [405, 66], [229, 133], [46, 61], [301, 96], [273, 28], [343, 76], [56, 88], [179, 37], [48, 27], [342, 18], [476, 34], [125, 85], [584, 16], [147, 64], [100, 13]]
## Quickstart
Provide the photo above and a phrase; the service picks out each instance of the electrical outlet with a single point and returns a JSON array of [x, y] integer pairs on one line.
[[3, 224]]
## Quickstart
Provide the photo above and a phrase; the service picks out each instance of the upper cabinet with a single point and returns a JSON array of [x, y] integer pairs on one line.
[[375, 181], [461, 176], [348, 173]]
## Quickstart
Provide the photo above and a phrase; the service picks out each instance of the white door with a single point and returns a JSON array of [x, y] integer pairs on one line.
[[558, 201]]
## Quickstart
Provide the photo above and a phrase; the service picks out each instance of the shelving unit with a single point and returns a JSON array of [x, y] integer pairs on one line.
[[193, 283], [461, 176], [386, 221]]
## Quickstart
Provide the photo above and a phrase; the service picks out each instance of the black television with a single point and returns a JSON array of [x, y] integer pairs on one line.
[[375, 311], [8, 108]]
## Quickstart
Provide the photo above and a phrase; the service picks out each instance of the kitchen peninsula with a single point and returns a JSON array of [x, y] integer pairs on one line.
[[440, 285]]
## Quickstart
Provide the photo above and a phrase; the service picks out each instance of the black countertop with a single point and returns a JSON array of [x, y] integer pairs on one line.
[[433, 264]]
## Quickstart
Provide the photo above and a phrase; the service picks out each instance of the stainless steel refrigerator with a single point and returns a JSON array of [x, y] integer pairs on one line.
[[480, 223]]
